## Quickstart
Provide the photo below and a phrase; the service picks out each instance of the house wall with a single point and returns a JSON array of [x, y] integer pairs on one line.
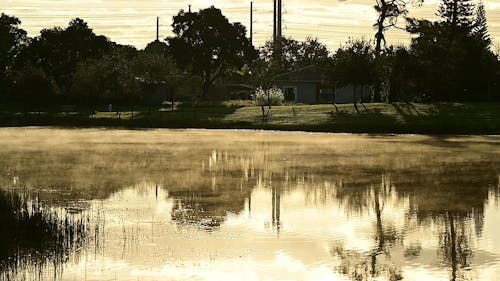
[[306, 92], [309, 93], [346, 94]]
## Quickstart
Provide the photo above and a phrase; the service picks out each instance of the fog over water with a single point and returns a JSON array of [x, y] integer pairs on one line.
[[252, 205]]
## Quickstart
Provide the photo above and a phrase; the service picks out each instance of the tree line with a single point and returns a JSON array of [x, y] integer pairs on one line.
[[449, 59]]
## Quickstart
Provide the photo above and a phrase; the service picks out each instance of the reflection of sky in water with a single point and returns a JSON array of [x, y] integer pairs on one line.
[[141, 241], [210, 205]]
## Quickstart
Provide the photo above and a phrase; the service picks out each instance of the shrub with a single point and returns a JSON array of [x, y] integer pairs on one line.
[[273, 96]]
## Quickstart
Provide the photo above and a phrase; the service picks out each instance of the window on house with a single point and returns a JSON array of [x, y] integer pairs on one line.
[[290, 94]]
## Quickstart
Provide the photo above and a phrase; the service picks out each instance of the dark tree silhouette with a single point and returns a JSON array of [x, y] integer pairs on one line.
[[480, 27], [294, 55], [389, 11], [402, 69], [208, 45], [108, 79], [157, 47], [12, 39], [354, 65], [457, 13], [58, 51], [451, 46], [35, 89]]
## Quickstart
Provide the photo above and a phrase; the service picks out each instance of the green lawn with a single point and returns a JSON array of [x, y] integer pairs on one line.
[[443, 118]]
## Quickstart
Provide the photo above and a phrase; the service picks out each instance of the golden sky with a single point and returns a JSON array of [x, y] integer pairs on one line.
[[133, 22]]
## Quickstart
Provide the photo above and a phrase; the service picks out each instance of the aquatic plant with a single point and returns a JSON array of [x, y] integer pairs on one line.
[[33, 236]]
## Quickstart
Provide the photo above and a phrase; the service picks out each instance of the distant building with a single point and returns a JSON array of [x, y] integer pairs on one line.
[[309, 85]]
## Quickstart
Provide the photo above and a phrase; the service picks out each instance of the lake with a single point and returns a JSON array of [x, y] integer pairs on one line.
[[245, 205]]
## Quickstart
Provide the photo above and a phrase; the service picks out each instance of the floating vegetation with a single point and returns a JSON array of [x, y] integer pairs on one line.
[[33, 237]]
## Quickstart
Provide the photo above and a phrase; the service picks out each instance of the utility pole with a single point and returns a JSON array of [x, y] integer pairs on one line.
[[277, 22], [251, 23], [280, 15], [277, 33], [274, 21], [189, 8], [157, 29]]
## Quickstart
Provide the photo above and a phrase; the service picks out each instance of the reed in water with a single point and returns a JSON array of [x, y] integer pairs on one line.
[[33, 237]]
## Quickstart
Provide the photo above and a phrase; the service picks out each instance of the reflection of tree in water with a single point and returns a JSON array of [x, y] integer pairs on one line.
[[450, 199], [225, 186], [455, 244], [376, 262], [33, 238]]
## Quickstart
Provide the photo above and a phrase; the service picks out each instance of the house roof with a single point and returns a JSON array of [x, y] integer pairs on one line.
[[309, 74]]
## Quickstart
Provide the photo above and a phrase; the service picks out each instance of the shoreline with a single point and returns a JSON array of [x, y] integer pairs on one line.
[[246, 130], [383, 119]]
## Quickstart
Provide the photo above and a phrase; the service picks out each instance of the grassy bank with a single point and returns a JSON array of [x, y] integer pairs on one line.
[[445, 118]]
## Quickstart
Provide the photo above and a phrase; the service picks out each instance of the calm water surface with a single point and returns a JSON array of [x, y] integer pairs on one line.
[[229, 205]]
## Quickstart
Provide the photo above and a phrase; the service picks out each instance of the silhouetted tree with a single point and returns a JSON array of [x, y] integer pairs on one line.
[[402, 73], [106, 80], [480, 27], [157, 71], [389, 12], [457, 13], [58, 51], [34, 89], [294, 55], [455, 64], [157, 47], [208, 45], [354, 65], [12, 39]]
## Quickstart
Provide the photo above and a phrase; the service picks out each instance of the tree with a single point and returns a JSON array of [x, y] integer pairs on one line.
[[208, 45], [33, 88], [58, 51], [453, 64], [157, 47], [389, 11], [455, 61], [294, 55], [353, 64], [156, 70], [106, 80], [480, 26], [457, 13], [12, 39]]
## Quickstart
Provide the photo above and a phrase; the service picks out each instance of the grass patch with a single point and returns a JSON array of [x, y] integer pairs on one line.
[[442, 118]]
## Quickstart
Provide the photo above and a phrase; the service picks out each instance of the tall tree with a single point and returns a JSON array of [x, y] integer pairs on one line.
[[354, 65], [480, 27], [34, 89], [389, 11], [457, 13], [294, 55], [109, 79], [12, 39], [58, 51], [208, 45]]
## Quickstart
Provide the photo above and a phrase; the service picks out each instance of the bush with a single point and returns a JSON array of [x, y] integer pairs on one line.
[[273, 96]]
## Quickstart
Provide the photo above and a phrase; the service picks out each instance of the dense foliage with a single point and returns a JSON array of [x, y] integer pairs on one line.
[[206, 44], [449, 59]]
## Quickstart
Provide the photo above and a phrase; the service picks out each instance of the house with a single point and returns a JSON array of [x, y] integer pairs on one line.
[[309, 85]]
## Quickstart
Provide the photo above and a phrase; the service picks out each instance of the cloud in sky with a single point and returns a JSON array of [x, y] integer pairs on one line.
[[133, 22]]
